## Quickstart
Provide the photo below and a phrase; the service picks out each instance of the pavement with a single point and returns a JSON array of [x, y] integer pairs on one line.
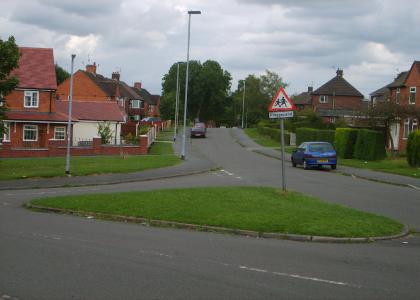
[[249, 144], [195, 163]]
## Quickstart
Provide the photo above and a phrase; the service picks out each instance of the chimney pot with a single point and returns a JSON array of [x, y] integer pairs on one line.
[[91, 68], [116, 76], [310, 89], [137, 85], [339, 73]]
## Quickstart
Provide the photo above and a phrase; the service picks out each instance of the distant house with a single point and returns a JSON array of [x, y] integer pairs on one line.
[[403, 91], [337, 98], [380, 96], [32, 119], [303, 100]]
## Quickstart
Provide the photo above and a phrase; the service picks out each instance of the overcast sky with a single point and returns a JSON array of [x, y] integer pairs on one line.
[[304, 41]]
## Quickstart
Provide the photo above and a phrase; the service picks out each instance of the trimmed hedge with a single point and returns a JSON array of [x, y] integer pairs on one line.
[[370, 145], [310, 134], [413, 149], [274, 134], [345, 141]]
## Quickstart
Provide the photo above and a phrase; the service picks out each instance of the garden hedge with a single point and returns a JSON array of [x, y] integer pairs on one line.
[[310, 134], [413, 149], [345, 141], [274, 134], [370, 145]]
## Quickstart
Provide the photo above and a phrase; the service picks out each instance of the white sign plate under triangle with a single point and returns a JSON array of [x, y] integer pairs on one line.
[[280, 114]]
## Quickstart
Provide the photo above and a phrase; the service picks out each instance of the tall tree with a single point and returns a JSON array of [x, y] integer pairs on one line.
[[271, 82], [9, 60], [61, 74], [208, 91]]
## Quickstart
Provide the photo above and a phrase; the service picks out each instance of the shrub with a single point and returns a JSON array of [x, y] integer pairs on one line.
[[144, 129], [345, 141], [310, 134], [274, 134], [413, 149], [105, 132], [370, 145]]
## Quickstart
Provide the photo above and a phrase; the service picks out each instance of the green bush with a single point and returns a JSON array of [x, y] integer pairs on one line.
[[413, 149], [273, 133], [144, 129], [370, 145], [310, 134], [345, 141]]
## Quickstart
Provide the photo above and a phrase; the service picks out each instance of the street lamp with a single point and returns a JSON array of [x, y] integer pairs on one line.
[[69, 119], [243, 104], [191, 12], [176, 100]]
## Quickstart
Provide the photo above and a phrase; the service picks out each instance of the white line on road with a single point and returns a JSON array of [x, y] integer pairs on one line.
[[414, 187], [295, 276]]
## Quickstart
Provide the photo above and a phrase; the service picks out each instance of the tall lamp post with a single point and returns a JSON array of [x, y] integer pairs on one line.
[[243, 105], [176, 101], [190, 12], [69, 119]]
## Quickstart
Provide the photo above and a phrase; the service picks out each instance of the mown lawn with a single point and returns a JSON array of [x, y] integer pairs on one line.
[[260, 209], [395, 166]]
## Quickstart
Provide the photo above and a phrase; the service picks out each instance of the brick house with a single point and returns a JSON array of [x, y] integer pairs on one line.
[[303, 100], [403, 91], [337, 98], [136, 102], [32, 120]]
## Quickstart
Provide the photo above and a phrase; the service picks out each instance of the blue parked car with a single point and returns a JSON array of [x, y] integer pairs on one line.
[[311, 154]]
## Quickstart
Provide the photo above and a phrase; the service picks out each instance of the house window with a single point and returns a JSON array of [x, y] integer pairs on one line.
[[30, 132], [135, 103], [397, 96], [151, 108], [323, 99], [59, 133], [412, 99], [410, 125], [6, 133], [31, 99], [135, 117]]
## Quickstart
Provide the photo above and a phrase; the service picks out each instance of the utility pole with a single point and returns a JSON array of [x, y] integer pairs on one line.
[[176, 101], [69, 118], [243, 104]]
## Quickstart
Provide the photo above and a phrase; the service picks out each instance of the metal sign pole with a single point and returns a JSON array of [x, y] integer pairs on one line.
[[283, 177]]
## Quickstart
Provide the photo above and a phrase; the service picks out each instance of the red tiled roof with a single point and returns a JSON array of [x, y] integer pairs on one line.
[[36, 69], [92, 110], [35, 116]]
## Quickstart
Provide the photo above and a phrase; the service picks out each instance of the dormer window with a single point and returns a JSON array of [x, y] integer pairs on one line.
[[31, 99], [412, 99], [323, 99]]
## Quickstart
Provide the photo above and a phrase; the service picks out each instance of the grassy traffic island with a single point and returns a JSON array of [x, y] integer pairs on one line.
[[257, 209]]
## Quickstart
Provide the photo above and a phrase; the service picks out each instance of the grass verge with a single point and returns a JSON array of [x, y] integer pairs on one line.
[[266, 141], [248, 208], [397, 166]]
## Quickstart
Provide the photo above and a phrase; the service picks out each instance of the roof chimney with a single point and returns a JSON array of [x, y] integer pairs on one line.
[[310, 89], [91, 68], [339, 73], [137, 85], [116, 77]]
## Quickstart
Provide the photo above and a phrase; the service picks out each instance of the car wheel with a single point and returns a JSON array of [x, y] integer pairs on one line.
[[305, 165], [293, 163], [333, 167]]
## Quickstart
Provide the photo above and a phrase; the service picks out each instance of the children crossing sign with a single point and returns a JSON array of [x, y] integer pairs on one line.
[[281, 106]]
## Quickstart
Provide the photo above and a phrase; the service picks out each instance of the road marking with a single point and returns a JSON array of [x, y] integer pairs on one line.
[[296, 276], [414, 187], [227, 172]]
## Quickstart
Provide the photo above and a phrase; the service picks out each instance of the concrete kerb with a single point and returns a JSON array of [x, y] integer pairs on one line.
[[128, 180], [208, 228]]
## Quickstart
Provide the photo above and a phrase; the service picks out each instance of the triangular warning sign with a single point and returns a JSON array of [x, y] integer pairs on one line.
[[281, 102]]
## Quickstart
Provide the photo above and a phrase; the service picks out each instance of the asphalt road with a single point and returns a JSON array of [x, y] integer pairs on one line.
[[50, 256]]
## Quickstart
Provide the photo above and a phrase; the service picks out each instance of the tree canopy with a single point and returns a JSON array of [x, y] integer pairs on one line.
[[208, 91], [61, 74], [9, 60]]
